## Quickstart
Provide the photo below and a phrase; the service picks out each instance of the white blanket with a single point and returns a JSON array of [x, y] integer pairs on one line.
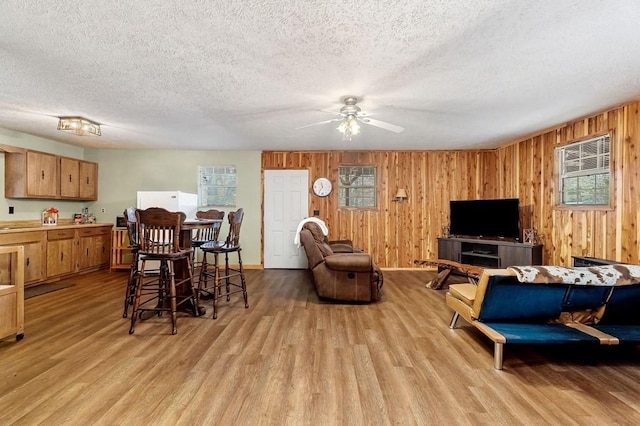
[[320, 222]]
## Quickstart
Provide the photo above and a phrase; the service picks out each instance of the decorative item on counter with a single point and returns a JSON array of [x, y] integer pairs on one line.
[[50, 216], [77, 218], [91, 218]]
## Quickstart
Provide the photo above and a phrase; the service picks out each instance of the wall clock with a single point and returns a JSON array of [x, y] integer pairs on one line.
[[322, 187]]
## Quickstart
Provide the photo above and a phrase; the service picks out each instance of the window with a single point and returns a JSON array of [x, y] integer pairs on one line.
[[217, 186], [357, 186], [583, 172]]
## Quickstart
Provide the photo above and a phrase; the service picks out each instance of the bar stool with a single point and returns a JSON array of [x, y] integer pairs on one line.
[[208, 233], [132, 232], [158, 237], [212, 269]]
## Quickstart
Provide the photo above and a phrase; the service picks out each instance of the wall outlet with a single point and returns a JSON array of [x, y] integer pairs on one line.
[[102, 210], [11, 209]]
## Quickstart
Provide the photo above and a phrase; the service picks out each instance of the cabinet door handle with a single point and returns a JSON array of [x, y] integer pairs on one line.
[[87, 252], [27, 261], [87, 180], [70, 179], [61, 256], [42, 174]]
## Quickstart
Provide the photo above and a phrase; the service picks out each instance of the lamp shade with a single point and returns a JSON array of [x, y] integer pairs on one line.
[[401, 194]]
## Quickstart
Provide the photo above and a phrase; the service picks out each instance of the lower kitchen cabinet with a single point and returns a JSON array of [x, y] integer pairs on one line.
[[35, 244], [94, 246], [12, 292], [62, 251]]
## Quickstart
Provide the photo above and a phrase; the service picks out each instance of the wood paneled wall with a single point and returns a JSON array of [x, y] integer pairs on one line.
[[397, 233], [526, 171]]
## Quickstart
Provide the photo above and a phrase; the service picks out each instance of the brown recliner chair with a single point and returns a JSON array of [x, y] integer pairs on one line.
[[342, 274]]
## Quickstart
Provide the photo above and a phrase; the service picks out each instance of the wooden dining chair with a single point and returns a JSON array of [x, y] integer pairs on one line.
[[223, 275], [159, 240]]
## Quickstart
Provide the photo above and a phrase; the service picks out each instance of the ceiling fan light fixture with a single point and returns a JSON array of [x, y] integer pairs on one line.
[[79, 126], [349, 127], [350, 117], [354, 127]]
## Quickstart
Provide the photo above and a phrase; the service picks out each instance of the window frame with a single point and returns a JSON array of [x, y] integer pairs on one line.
[[213, 174], [559, 176], [341, 187]]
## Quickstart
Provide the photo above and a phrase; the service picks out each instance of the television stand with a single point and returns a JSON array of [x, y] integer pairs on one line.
[[489, 253]]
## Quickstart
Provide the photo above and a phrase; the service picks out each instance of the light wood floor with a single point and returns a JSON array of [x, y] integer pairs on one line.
[[292, 359]]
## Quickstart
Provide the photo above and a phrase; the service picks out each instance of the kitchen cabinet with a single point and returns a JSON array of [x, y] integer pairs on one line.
[[69, 177], [78, 179], [60, 253], [55, 252], [34, 174], [94, 246], [88, 180], [34, 243], [31, 174], [12, 292]]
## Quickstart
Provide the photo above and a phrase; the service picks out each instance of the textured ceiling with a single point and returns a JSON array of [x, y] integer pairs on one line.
[[239, 74]]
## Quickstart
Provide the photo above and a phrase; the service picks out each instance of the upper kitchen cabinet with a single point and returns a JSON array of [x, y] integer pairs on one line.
[[78, 179], [88, 180], [69, 177], [30, 174], [34, 174]]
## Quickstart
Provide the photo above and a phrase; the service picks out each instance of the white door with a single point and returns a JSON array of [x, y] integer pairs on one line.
[[286, 203]]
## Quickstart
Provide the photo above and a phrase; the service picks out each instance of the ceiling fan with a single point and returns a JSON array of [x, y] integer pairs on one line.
[[350, 117]]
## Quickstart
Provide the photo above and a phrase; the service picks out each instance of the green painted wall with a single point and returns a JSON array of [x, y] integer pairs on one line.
[[32, 209], [121, 173]]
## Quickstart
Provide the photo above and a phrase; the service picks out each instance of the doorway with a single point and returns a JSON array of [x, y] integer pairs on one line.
[[286, 203]]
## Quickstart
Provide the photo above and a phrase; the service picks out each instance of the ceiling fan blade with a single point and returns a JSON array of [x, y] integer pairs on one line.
[[383, 125], [320, 122]]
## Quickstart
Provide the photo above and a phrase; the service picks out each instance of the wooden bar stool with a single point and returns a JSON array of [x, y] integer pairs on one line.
[[206, 234], [211, 268], [159, 236], [132, 232]]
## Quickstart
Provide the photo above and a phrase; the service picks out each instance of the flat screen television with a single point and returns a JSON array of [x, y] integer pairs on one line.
[[496, 218]]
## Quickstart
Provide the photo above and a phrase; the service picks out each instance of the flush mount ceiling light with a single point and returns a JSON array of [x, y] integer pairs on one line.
[[79, 126]]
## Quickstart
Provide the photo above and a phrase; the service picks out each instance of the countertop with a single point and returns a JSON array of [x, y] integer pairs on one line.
[[7, 228]]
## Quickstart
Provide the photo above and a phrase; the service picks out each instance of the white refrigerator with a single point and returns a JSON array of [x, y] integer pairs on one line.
[[174, 201]]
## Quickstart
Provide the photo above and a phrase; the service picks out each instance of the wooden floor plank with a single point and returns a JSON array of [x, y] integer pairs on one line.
[[294, 359]]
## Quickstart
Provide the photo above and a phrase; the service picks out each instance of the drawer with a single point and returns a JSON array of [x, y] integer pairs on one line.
[[61, 234], [21, 237], [90, 232]]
